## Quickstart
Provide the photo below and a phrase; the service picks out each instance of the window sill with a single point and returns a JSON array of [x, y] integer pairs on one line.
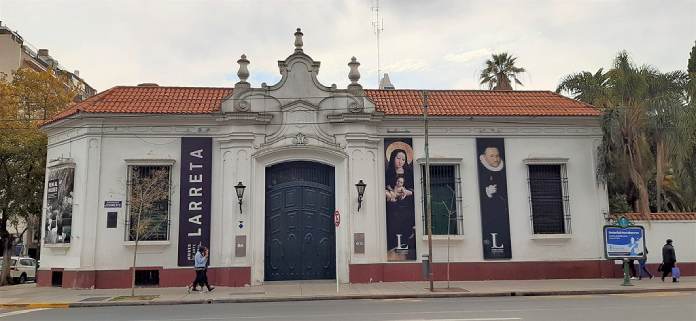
[[444, 237], [57, 245], [147, 243], [559, 237]]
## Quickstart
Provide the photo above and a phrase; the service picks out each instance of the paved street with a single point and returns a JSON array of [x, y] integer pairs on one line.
[[665, 306]]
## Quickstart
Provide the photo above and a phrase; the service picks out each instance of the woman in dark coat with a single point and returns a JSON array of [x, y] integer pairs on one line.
[[669, 259]]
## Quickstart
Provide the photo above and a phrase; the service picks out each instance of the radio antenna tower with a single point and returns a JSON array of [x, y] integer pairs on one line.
[[377, 27]]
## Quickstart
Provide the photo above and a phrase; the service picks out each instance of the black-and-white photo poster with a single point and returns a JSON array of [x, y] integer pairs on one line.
[[59, 206]]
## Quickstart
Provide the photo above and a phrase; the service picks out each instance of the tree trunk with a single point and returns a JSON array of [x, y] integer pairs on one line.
[[135, 255], [6, 257], [643, 196], [659, 159], [635, 170], [135, 252]]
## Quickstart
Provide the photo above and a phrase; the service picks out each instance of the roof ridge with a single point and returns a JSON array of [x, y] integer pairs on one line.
[[174, 87], [580, 101], [472, 90]]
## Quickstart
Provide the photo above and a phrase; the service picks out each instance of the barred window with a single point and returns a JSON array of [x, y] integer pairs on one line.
[[548, 198], [444, 197], [148, 202]]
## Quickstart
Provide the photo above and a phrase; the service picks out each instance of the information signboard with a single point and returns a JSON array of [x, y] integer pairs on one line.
[[624, 242]]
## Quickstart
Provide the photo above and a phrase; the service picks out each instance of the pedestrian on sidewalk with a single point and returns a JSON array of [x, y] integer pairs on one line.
[[200, 265], [669, 259], [632, 269], [642, 268], [206, 254]]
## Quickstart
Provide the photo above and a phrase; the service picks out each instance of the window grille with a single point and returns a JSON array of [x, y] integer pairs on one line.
[[154, 218], [445, 197], [548, 199]]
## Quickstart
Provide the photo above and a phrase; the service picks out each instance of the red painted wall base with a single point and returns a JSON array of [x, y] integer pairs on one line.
[[114, 279], [365, 273], [477, 271]]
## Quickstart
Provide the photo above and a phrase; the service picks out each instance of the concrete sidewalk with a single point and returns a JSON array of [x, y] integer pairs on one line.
[[30, 296]]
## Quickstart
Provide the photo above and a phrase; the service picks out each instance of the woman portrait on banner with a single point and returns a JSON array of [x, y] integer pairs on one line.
[[398, 190]]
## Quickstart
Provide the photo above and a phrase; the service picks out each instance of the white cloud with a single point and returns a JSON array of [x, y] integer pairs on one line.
[[406, 65], [426, 44], [468, 55]]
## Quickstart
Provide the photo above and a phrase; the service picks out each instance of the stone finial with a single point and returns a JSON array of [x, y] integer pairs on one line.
[[298, 40], [354, 74], [243, 72]]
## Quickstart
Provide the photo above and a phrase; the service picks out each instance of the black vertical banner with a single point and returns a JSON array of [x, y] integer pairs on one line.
[[495, 222], [194, 195], [398, 188]]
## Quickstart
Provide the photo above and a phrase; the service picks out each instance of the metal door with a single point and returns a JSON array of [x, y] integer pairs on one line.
[[300, 240]]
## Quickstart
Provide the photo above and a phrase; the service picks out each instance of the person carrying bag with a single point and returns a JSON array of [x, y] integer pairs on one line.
[[669, 262]]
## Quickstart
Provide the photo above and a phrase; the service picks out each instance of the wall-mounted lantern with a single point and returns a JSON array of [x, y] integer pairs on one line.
[[239, 188], [360, 186]]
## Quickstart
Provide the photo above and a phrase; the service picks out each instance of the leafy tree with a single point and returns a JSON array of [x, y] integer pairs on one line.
[[691, 67], [146, 193], [26, 99], [499, 70]]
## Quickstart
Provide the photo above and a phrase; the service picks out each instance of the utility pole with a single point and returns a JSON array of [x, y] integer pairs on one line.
[[429, 213]]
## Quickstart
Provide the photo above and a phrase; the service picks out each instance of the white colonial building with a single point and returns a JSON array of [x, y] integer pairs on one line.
[[513, 181]]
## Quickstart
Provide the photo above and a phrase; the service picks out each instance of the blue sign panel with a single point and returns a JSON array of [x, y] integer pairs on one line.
[[622, 242]]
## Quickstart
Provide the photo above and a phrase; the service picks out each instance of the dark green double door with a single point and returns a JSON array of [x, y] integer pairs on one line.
[[300, 238]]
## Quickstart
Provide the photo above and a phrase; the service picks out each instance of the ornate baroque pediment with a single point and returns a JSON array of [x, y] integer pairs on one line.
[[298, 109]]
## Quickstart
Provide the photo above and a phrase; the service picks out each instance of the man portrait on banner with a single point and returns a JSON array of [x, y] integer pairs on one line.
[[494, 180], [493, 183], [494, 207]]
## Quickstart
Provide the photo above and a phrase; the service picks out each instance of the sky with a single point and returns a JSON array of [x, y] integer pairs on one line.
[[434, 44]]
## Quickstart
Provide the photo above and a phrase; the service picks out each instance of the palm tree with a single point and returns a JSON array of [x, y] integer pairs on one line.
[[647, 128], [587, 87], [499, 70]]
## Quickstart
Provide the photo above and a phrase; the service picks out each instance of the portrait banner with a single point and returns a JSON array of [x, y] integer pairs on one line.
[[195, 194], [495, 221], [400, 208], [59, 205]]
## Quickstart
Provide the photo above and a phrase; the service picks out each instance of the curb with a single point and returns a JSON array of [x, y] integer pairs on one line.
[[35, 305], [345, 297]]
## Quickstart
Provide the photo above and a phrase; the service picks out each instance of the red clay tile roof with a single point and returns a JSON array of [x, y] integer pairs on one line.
[[406, 102], [684, 216], [151, 100], [479, 103]]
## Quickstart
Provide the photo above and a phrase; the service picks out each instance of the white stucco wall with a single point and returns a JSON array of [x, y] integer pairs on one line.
[[73, 149], [278, 126], [586, 205], [682, 233], [103, 161]]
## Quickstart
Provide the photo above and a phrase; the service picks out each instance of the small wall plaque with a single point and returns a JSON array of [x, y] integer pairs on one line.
[[240, 246], [113, 204], [359, 243]]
